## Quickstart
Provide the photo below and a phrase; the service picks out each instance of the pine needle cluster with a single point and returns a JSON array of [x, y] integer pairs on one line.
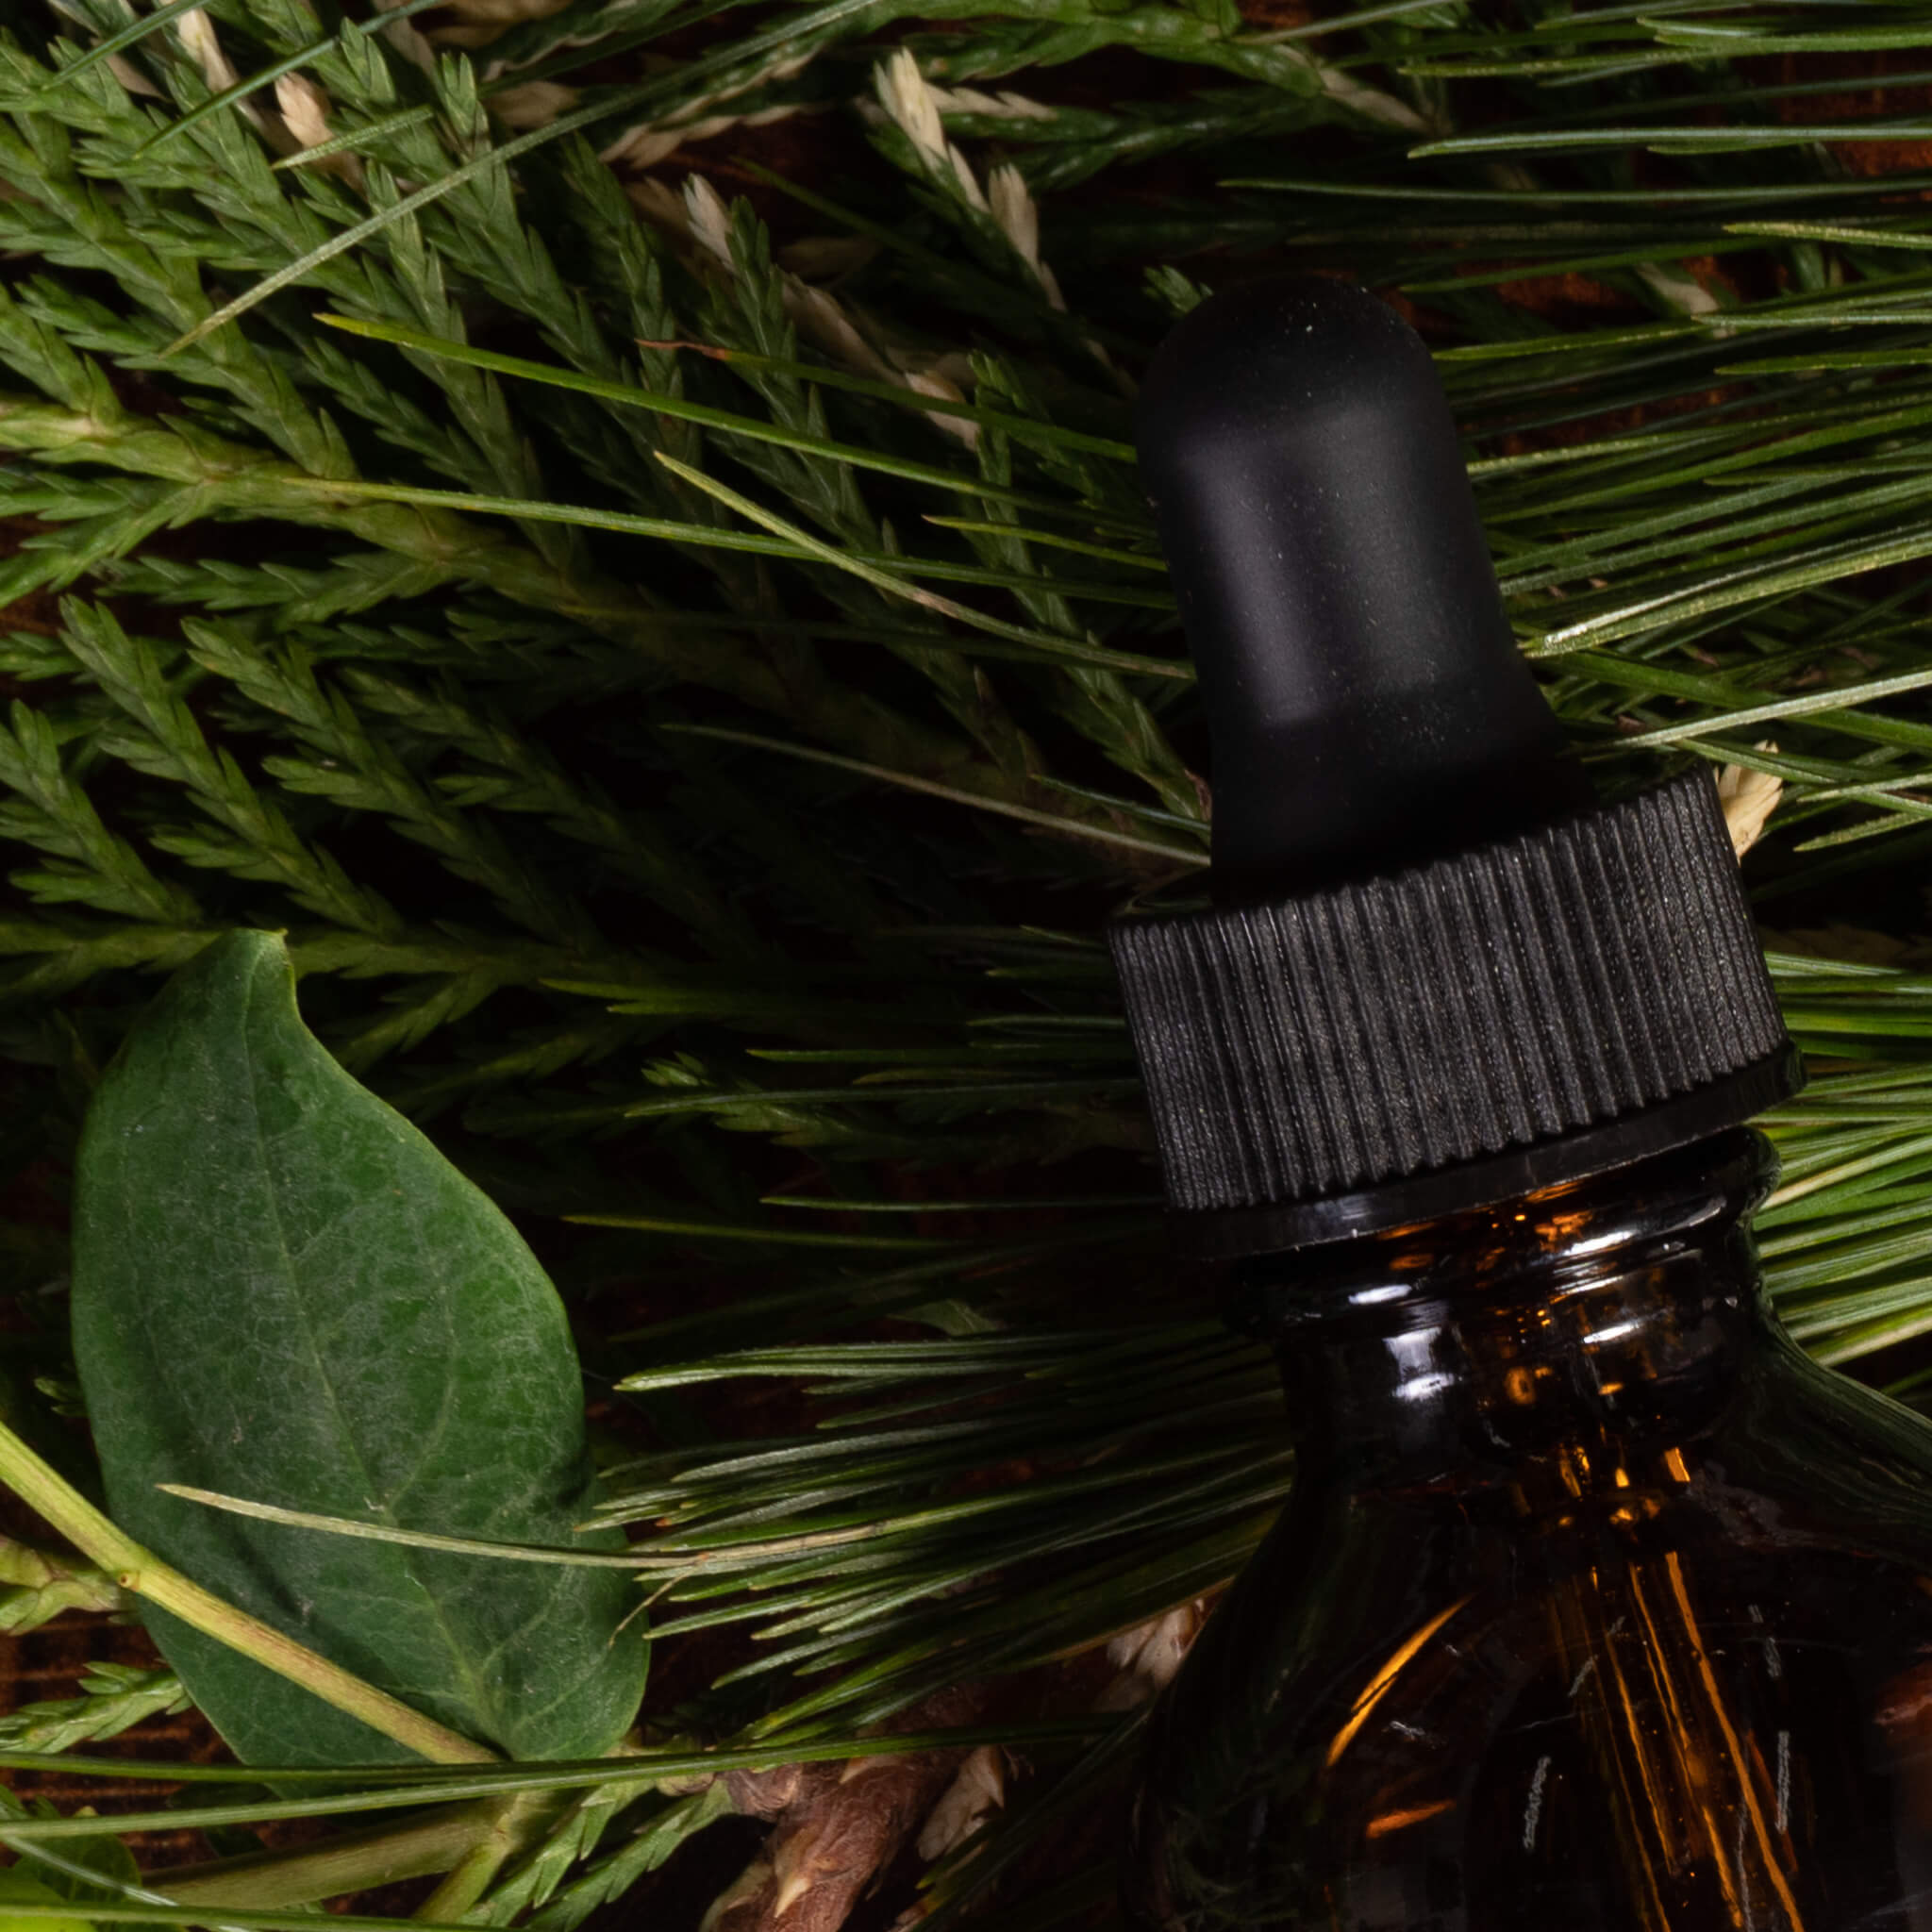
[[691, 672]]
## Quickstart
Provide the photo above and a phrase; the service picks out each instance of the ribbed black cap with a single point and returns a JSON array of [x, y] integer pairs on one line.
[[1437, 972]]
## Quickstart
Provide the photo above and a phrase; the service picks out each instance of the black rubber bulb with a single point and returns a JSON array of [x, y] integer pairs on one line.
[[1367, 705]]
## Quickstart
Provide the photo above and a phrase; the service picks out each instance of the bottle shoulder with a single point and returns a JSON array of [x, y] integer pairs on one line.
[[1631, 1694]]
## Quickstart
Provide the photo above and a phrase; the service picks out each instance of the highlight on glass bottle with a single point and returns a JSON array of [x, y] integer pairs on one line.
[[1596, 1604]]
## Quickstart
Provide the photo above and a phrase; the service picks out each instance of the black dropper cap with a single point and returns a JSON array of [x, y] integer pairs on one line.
[[1439, 972], [1367, 702]]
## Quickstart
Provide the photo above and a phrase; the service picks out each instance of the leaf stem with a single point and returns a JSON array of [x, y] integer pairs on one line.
[[351, 1861], [141, 1573], [461, 1887], [513, 1823]]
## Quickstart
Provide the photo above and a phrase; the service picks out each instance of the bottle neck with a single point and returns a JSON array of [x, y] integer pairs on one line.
[[1569, 1338]]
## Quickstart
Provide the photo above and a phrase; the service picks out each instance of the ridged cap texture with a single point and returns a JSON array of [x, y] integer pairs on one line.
[[1523, 991]]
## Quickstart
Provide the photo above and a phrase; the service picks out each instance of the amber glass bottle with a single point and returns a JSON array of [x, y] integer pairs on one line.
[[1596, 1606]]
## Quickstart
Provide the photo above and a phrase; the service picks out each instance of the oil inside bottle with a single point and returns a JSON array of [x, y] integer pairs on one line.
[[1597, 1604]]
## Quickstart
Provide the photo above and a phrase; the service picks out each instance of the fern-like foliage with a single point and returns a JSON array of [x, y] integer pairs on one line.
[[692, 676]]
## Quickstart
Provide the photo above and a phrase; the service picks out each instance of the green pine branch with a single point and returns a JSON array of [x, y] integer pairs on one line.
[[692, 676]]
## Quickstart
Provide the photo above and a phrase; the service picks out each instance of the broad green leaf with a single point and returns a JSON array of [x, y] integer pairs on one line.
[[281, 1291], [23, 1888]]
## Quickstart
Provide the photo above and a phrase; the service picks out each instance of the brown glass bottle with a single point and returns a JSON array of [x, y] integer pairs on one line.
[[1596, 1606]]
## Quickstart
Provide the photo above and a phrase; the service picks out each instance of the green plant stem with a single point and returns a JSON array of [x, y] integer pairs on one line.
[[352, 1861], [461, 1887], [513, 1825], [142, 1574]]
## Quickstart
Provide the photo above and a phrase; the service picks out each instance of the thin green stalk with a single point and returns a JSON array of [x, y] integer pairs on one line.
[[659, 403], [515, 1823], [825, 377], [142, 1574], [1180, 855], [347, 1862]]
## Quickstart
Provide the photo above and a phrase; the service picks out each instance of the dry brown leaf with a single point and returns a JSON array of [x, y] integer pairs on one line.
[[1148, 1656], [977, 1790], [532, 103], [836, 1829], [1748, 797]]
